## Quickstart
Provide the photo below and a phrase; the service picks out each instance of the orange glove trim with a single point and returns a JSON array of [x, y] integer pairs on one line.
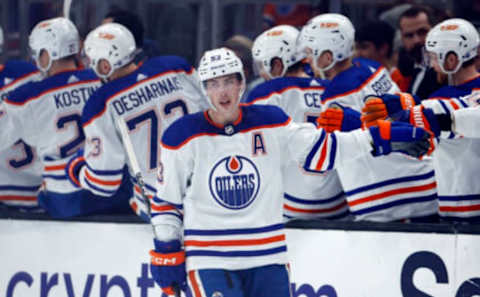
[[406, 100], [170, 259], [384, 128]]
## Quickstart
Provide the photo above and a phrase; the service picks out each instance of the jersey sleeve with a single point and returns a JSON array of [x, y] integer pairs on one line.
[[466, 122], [174, 171], [447, 107], [104, 155], [13, 124], [319, 151]]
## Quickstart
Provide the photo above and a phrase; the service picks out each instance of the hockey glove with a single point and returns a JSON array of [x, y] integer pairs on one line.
[[73, 167], [339, 119], [168, 266], [385, 106], [400, 137], [422, 117]]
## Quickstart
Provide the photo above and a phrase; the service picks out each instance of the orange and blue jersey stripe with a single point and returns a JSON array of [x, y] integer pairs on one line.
[[334, 207], [102, 182], [322, 156], [392, 193], [248, 242]]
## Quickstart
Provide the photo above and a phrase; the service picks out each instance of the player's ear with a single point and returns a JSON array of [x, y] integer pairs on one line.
[[451, 61], [277, 67], [104, 67], [44, 58]]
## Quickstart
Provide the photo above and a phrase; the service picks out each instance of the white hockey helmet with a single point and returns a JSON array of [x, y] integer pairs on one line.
[[111, 42], [327, 32], [277, 42], [58, 37], [220, 62], [454, 35]]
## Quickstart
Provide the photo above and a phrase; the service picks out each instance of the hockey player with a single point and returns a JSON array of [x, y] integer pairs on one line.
[[453, 49], [46, 114], [148, 98], [224, 165], [20, 169], [389, 188], [307, 195]]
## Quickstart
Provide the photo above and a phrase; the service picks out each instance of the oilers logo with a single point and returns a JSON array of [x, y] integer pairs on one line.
[[234, 182]]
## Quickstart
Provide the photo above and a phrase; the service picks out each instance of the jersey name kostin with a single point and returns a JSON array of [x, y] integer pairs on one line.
[[73, 97]]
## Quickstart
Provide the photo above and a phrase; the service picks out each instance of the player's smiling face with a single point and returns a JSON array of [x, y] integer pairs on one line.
[[224, 92]]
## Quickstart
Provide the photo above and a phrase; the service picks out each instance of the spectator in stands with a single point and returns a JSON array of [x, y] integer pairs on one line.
[[146, 48], [375, 42], [415, 23]]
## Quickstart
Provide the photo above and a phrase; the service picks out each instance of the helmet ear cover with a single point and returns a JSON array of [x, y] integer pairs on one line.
[[113, 43], [220, 62]]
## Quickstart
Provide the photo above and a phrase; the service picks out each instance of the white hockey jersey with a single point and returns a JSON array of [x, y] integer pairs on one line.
[[20, 168], [224, 185], [456, 159], [47, 115], [467, 121], [160, 91], [307, 195], [385, 188]]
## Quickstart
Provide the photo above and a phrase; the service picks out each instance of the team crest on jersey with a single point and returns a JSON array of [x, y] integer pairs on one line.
[[234, 182]]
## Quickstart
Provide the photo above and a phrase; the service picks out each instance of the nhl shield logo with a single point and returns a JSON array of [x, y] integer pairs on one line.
[[234, 182]]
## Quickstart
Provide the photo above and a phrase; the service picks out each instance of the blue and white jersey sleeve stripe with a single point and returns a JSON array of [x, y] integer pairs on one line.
[[327, 150]]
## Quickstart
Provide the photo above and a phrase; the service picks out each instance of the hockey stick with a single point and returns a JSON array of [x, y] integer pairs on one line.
[[127, 144], [67, 4]]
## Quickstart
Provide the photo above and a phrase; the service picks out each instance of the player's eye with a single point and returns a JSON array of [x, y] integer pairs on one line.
[[212, 84]]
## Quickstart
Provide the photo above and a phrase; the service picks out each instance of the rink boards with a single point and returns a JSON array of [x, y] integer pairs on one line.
[[50, 259]]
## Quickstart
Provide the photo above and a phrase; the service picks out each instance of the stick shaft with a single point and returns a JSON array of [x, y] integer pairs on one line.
[[67, 4], [127, 144]]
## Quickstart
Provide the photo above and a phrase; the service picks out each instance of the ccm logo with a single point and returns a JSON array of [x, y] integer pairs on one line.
[[160, 261], [418, 117]]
